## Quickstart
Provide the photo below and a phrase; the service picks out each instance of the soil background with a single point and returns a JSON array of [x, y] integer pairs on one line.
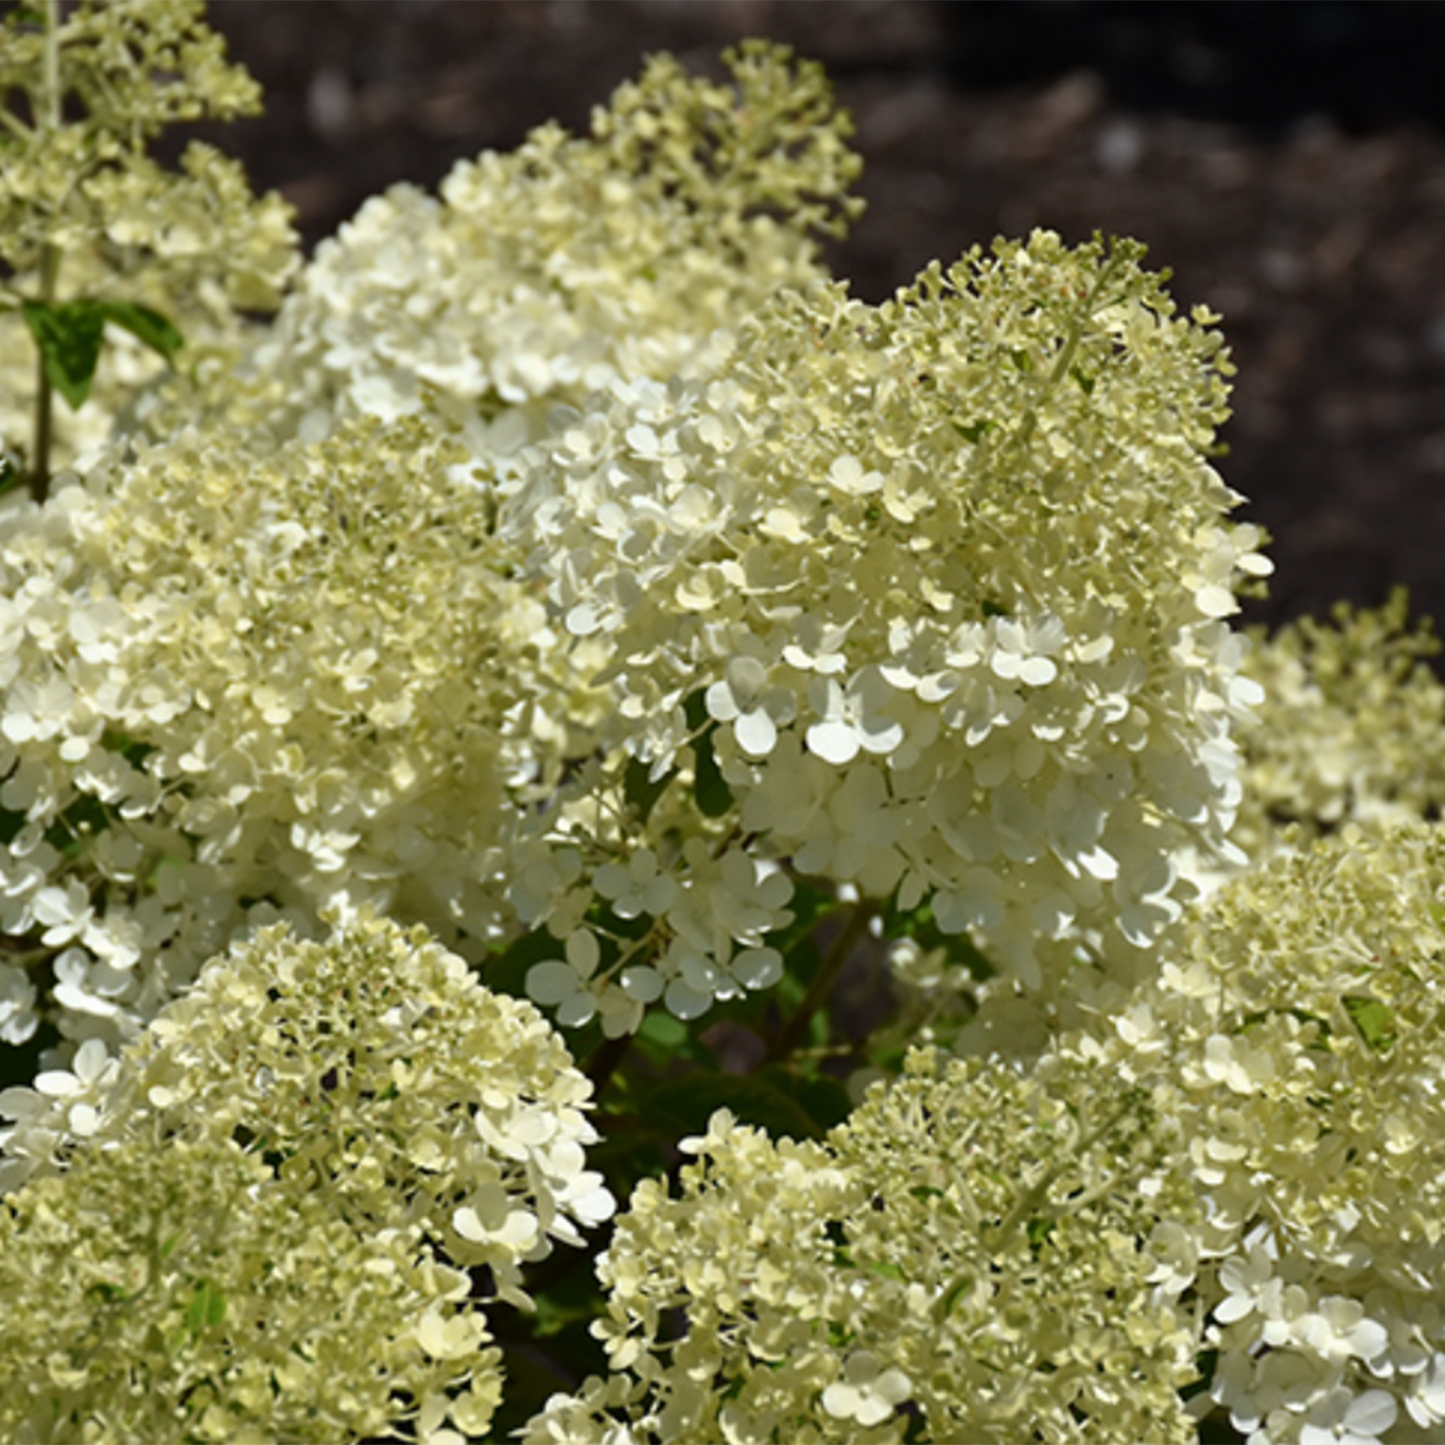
[[1285, 160]]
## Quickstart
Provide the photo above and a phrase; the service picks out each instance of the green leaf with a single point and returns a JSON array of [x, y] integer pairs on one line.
[[683, 1106], [1374, 1020], [714, 797], [1038, 1230], [641, 791], [69, 336], [823, 1099], [663, 1030], [148, 327], [975, 431], [207, 1308]]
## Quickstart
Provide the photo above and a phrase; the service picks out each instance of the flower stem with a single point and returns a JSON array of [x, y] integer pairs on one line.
[[49, 118], [823, 981]]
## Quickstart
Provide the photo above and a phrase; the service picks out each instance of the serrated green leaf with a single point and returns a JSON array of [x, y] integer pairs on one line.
[[68, 334]]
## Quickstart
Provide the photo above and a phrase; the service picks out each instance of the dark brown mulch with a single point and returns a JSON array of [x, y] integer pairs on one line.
[[1286, 161]]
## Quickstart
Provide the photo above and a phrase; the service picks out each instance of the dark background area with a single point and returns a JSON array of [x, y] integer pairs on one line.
[[1285, 161]]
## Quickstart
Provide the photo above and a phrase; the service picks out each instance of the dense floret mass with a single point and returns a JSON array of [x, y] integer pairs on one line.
[[1351, 724], [1294, 1038], [959, 1261], [546, 273], [241, 689], [363, 1102], [172, 1297], [937, 589], [127, 71]]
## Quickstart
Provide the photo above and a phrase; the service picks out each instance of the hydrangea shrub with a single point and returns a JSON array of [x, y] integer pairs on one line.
[[580, 707]]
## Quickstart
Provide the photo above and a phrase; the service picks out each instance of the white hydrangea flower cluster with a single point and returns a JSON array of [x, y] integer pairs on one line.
[[545, 273], [79, 176], [131, 1248], [87, 214], [959, 1261], [1295, 1041], [937, 587], [1351, 725], [437, 1115], [238, 689]]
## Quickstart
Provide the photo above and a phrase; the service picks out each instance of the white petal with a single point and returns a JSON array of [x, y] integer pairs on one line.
[[834, 742], [755, 733]]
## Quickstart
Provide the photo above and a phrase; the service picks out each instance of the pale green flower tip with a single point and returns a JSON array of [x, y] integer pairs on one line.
[[595, 259], [1285, 997], [1346, 720], [833, 1284]]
